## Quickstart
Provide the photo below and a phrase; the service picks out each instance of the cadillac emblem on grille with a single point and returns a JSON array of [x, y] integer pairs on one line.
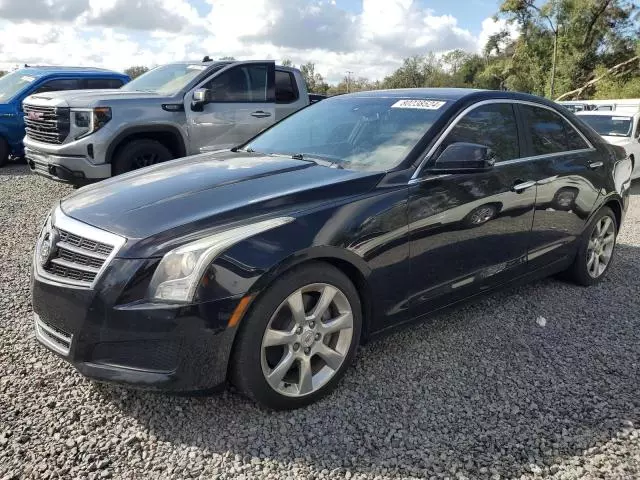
[[46, 247]]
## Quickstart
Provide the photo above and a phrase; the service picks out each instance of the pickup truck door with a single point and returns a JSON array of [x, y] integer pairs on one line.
[[242, 104]]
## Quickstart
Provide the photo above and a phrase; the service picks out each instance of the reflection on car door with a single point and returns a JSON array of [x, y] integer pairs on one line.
[[470, 231], [568, 172], [242, 104]]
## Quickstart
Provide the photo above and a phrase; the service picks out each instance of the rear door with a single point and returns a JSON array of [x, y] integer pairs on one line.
[[242, 104], [569, 173], [470, 231]]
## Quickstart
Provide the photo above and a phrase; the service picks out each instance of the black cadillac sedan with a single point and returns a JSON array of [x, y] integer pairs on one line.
[[267, 265]]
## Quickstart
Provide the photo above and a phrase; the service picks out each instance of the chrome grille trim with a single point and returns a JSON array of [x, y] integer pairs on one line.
[[80, 255], [52, 126], [56, 339]]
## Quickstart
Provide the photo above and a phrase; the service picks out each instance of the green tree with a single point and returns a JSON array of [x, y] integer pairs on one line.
[[227, 59], [315, 81], [136, 71], [287, 63]]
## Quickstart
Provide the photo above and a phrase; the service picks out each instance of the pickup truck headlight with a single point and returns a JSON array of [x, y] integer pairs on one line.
[[88, 121], [181, 269]]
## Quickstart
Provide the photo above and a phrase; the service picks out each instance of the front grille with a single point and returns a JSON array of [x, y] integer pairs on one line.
[[73, 252], [47, 124], [52, 336]]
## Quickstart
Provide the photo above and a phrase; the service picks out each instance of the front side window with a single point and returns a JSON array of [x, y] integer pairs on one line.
[[550, 133], [57, 85], [359, 133], [609, 125], [492, 125], [240, 84], [13, 83]]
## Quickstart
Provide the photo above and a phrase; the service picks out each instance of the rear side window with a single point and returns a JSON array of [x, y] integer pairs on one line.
[[493, 125], [97, 83], [286, 90], [60, 84], [550, 133]]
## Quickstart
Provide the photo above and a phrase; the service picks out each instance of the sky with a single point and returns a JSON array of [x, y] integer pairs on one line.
[[367, 37]]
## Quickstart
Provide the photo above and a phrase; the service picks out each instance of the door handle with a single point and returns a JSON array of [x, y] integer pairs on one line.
[[260, 114], [595, 165], [521, 186]]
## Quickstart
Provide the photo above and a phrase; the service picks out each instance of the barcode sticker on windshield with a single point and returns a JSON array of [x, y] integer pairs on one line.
[[196, 67], [28, 78], [620, 119], [420, 104]]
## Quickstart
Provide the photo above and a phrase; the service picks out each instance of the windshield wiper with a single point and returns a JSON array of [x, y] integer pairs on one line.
[[317, 160]]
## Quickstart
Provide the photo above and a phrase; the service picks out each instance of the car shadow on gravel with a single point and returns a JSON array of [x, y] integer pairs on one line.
[[15, 168], [480, 390]]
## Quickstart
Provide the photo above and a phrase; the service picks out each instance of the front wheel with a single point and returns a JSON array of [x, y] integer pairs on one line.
[[298, 338], [596, 249], [138, 154]]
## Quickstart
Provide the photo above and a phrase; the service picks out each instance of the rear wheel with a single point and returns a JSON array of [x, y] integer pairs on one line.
[[597, 246], [298, 338], [4, 152], [138, 154]]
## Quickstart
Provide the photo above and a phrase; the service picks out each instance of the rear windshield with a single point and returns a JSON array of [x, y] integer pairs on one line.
[[13, 83], [609, 125], [359, 133]]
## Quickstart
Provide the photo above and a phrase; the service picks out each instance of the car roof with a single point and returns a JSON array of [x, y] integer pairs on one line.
[[452, 94], [607, 113], [47, 69]]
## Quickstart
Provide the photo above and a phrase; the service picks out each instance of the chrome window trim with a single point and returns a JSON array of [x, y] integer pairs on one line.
[[415, 178], [64, 222]]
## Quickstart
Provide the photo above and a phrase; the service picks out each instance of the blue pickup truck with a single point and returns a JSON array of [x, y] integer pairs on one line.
[[17, 85]]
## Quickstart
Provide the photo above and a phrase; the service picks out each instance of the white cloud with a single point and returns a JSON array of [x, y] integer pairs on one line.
[[120, 33]]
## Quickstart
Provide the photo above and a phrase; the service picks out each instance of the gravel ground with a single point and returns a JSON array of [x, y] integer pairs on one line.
[[482, 391]]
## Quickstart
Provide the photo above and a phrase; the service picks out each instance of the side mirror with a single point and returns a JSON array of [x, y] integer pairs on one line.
[[462, 157], [200, 98]]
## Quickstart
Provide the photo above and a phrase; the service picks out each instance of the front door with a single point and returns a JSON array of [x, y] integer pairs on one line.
[[470, 231], [569, 173], [242, 104]]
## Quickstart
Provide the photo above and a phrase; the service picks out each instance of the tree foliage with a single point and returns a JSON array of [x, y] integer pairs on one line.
[[136, 71]]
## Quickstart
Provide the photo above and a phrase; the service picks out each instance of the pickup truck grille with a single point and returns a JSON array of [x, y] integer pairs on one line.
[[47, 124]]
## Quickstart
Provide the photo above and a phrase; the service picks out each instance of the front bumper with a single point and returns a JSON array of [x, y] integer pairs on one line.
[[67, 169], [159, 347]]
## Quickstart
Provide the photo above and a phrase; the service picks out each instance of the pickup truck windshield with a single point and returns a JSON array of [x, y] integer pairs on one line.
[[13, 83], [609, 125], [359, 133], [167, 79]]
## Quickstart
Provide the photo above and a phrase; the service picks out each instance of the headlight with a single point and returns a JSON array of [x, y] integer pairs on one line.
[[88, 121], [180, 270]]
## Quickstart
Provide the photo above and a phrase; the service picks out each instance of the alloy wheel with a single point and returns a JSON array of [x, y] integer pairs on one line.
[[600, 248], [307, 340]]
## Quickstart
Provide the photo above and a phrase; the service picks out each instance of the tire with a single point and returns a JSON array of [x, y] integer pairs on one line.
[[138, 154], [582, 271], [481, 215], [4, 152], [254, 360]]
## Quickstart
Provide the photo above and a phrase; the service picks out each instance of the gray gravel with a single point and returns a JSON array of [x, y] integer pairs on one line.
[[483, 391]]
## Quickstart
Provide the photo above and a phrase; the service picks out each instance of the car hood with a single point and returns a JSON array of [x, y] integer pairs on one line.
[[621, 141], [192, 194], [90, 98]]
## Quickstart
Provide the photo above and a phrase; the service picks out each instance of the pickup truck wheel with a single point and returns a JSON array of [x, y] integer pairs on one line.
[[138, 154], [4, 152]]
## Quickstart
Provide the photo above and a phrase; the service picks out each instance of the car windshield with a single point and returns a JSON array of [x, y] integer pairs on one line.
[[359, 133], [13, 83], [167, 79], [609, 125]]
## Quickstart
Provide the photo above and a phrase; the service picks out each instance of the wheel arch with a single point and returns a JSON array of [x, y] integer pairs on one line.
[[168, 135]]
